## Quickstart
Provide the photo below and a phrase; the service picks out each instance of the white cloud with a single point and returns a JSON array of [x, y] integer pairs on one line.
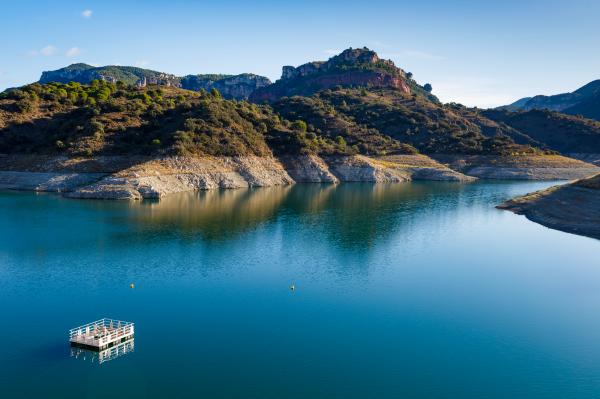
[[142, 63], [47, 51], [331, 51], [73, 51], [86, 14]]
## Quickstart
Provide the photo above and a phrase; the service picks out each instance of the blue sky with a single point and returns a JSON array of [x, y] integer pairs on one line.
[[482, 53]]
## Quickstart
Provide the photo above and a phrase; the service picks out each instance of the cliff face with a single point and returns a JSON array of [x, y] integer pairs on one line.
[[230, 86], [353, 67]]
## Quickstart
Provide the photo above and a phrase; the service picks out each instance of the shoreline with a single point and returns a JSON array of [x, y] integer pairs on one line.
[[573, 207], [139, 177]]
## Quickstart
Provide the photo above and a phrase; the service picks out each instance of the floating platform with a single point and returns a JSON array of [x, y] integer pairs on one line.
[[101, 334]]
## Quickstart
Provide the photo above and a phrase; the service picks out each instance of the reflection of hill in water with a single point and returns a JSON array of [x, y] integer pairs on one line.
[[358, 215], [215, 214], [350, 215]]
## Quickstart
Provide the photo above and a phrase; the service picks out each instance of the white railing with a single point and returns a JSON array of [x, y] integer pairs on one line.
[[101, 332]]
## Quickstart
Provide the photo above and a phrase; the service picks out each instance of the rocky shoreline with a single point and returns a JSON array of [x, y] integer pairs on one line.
[[573, 207], [529, 167], [137, 177]]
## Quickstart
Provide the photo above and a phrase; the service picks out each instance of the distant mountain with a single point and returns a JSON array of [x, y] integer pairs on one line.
[[230, 86], [547, 129], [351, 68], [84, 73], [584, 101]]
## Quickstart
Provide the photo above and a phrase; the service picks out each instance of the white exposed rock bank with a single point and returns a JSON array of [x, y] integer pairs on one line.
[[134, 178]]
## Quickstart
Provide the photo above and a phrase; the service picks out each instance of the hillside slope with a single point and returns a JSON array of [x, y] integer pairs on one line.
[[552, 130]]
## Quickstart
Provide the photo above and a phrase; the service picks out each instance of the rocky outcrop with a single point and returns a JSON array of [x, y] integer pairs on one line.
[[359, 168], [160, 177], [135, 178], [525, 167], [308, 169], [574, 207], [230, 86], [352, 67]]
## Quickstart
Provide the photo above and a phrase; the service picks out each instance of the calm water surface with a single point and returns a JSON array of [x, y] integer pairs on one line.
[[419, 290]]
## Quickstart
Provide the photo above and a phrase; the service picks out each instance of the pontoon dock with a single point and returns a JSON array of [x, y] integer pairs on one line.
[[101, 334]]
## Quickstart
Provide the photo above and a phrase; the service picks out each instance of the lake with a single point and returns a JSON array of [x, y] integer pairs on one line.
[[416, 290]]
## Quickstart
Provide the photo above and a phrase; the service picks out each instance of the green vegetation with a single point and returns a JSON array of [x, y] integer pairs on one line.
[[386, 121], [117, 118], [83, 73], [105, 118], [552, 130]]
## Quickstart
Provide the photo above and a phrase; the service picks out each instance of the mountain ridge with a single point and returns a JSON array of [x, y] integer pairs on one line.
[[584, 101], [230, 86]]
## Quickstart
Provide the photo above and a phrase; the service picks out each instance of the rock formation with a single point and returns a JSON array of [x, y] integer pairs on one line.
[[351, 68]]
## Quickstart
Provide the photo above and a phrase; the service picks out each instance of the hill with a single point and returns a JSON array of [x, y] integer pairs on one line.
[[84, 73], [388, 120], [107, 118], [551, 130], [351, 68], [584, 101], [230, 86]]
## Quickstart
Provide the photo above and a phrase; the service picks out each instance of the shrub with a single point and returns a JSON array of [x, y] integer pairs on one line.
[[299, 125], [25, 105]]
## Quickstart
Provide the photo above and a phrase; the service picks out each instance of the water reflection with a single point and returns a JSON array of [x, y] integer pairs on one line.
[[105, 355], [215, 214], [363, 213], [347, 216]]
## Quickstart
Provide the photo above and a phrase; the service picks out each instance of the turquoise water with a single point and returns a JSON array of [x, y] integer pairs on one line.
[[419, 290]]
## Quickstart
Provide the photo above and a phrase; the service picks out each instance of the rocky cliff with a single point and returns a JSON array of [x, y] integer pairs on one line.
[[230, 86], [353, 67]]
